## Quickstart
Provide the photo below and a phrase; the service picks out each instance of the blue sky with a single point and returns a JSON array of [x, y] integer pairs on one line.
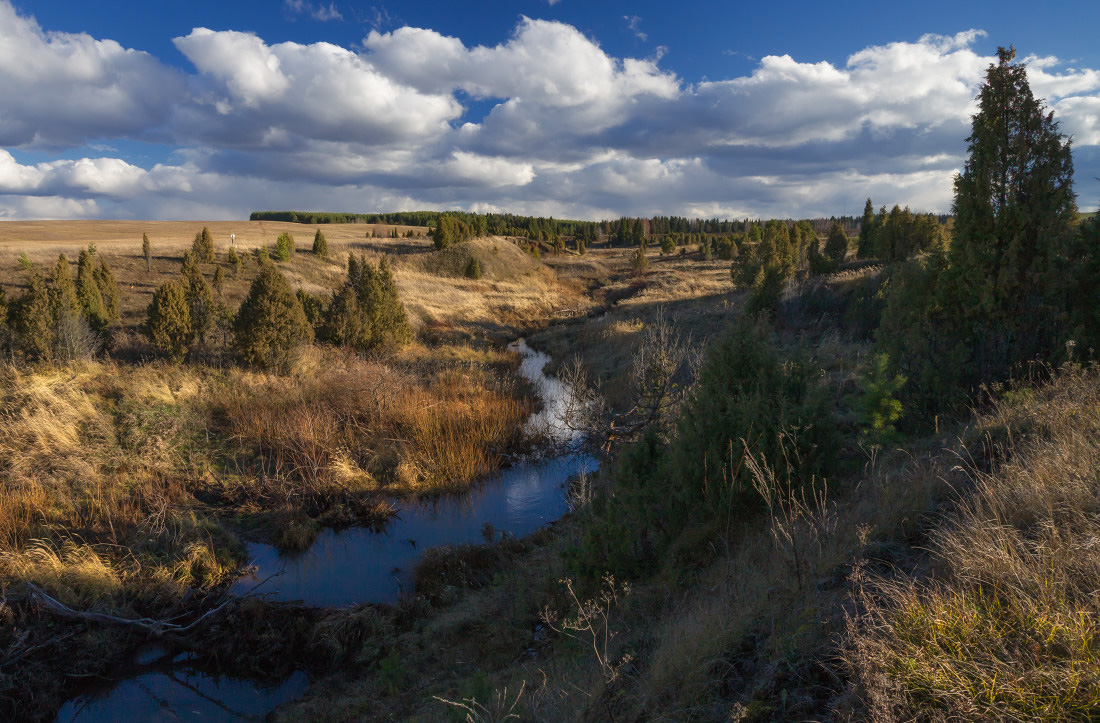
[[125, 109]]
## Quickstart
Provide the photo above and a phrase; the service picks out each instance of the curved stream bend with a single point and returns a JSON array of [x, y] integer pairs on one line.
[[356, 565]]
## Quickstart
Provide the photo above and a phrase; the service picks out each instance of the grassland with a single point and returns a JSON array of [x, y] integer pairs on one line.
[[945, 576]]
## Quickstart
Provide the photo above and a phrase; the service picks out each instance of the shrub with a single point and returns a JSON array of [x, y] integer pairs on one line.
[[284, 247], [270, 321], [320, 245], [203, 246], [168, 321], [219, 281], [473, 269], [88, 291], [147, 252], [108, 289], [667, 245], [234, 262], [63, 294], [200, 300]]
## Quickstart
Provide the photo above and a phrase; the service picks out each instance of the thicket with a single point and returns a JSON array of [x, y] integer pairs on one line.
[[367, 314], [749, 399]]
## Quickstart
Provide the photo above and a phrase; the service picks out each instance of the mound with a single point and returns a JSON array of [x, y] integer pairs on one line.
[[499, 258]]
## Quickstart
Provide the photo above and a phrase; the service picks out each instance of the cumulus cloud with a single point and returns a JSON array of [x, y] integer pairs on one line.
[[571, 130], [63, 89]]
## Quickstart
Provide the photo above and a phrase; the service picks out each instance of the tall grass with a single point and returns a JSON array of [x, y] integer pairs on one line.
[[1006, 627]]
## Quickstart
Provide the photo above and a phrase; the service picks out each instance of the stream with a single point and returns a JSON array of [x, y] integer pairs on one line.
[[356, 565]]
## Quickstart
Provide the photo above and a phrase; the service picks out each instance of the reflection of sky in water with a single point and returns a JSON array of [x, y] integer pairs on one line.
[[181, 695]]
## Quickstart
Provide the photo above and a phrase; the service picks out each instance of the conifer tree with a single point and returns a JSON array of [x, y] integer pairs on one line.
[[200, 302], [108, 289], [836, 247], [320, 245], [219, 281], [88, 292], [168, 323], [31, 319], [270, 321], [203, 247], [147, 252], [284, 247], [63, 293], [1015, 215], [234, 262], [866, 231]]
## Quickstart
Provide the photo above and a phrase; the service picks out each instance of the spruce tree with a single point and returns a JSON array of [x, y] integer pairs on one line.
[[234, 262], [168, 323], [147, 252], [270, 321], [320, 245]]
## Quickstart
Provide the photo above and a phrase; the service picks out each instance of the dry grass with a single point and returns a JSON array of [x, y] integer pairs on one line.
[[1006, 627]]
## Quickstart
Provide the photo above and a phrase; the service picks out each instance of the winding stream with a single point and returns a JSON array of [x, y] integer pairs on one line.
[[356, 565]]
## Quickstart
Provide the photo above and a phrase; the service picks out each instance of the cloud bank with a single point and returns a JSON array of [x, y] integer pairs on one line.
[[570, 131]]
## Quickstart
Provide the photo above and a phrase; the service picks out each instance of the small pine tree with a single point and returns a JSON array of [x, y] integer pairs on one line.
[[343, 323], [147, 252], [262, 256], [284, 247], [189, 264], [667, 245], [219, 281], [320, 245], [270, 321], [638, 260], [168, 322]]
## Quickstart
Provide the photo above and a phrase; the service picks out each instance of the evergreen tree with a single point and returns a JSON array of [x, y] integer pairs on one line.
[[147, 252], [1015, 214], [108, 289], [31, 319], [284, 247], [234, 262], [866, 231], [836, 247], [270, 321], [203, 247], [168, 322], [320, 245], [343, 323], [200, 302], [63, 300], [219, 281], [88, 292]]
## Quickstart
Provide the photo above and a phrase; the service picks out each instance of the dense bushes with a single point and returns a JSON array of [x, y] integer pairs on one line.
[[367, 314], [270, 321], [749, 399]]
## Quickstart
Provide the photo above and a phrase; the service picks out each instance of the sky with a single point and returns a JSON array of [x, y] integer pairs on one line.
[[210, 110]]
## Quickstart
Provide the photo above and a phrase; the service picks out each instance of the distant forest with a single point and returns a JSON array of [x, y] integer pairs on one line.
[[508, 224]]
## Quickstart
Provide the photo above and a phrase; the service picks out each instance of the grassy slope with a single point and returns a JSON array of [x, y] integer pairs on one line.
[[130, 484], [830, 607]]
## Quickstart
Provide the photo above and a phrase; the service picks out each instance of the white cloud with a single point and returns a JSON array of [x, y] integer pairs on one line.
[[572, 130], [317, 12]]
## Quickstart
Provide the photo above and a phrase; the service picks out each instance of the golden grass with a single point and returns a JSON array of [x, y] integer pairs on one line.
[[1006, 628]]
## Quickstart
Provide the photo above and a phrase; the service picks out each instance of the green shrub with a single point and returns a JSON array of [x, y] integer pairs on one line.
[[473, 269], [31, 321], [203, 247]]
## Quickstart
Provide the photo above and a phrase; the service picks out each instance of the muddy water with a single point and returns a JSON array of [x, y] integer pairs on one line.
[[356, 565]]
